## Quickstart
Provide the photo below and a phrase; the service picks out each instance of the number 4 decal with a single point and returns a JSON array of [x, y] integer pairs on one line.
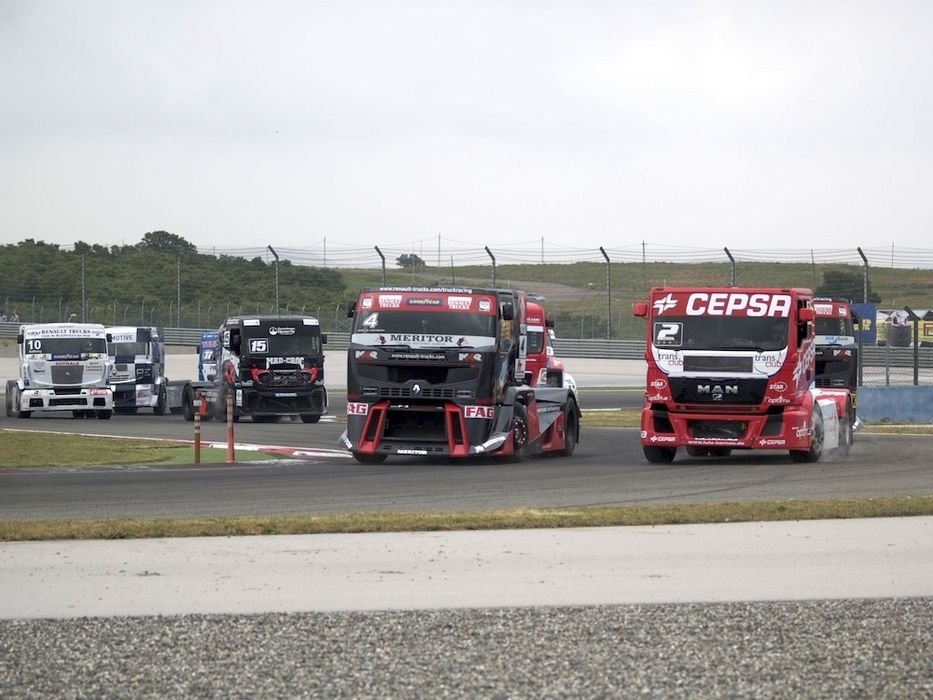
[[666, 333]]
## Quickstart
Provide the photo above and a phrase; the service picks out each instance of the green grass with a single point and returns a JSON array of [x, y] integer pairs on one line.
[[28, 448], [480, 520]]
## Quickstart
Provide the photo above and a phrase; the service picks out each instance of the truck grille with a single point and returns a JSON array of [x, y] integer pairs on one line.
[[718, 390], [718, 363], [70, 374]]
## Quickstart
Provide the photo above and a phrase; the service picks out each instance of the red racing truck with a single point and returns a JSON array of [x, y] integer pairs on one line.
[[441, 372], [542, 367], [732, 368]]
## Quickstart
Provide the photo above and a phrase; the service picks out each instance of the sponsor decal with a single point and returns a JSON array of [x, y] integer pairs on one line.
[[429, 356], [296, 360], [657, 397], [282, 330], [778, 386], [470, 357], [418, 338], [823, 309], [459, 303], [423, 301], [663, 438], [486, 412], [367, 355], [390, 301], [99, 392], [718, 391], [367, 303], [659, 383], [484, 305], [665, 303], [738, 304], [251, 322], [803, 431], [258, 345], [357, 409], [772, 442], [778, 400], [411, 452]]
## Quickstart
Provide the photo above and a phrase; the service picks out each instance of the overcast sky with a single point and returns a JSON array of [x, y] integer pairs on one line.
[[759, 125]]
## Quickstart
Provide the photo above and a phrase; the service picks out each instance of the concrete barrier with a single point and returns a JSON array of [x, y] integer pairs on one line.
[[896, 404]]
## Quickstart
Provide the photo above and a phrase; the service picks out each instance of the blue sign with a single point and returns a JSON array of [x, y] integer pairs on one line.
[[866, 314]]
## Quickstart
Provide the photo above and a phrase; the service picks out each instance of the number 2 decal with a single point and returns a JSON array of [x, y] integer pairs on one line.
[[666, 333]]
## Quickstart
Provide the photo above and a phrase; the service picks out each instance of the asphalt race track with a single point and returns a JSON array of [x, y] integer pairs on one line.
[[607, 469]]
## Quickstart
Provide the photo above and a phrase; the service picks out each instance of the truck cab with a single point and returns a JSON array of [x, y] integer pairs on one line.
[[836, 345], [63, 367], [138, 378], [443, 372], [732, 368]]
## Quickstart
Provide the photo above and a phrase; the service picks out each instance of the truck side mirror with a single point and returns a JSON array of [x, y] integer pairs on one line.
[[548, 323], [640, 309], [235, 341], [19, 339], [109, 338], [805, 314], [323, 338], [508, 312], [351, 310]]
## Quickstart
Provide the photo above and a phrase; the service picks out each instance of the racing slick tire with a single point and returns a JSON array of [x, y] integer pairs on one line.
[[104, 414], [161, 403], [816, 440], [310, 418], [14, 403], [571, 429], [659, 455], [845, 432], [519, 429]]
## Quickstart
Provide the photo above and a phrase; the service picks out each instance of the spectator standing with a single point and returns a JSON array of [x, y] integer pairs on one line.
[[2, 316], [14, 317]]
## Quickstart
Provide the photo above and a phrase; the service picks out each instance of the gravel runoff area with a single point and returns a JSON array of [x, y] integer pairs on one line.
[[819, 649]]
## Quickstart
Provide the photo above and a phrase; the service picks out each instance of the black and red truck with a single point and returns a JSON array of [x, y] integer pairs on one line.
[[441, 372]]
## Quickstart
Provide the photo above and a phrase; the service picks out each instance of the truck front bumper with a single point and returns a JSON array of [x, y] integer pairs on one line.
[[100, 399]]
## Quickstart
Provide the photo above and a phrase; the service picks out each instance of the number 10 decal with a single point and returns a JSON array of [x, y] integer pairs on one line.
[[667, 333]]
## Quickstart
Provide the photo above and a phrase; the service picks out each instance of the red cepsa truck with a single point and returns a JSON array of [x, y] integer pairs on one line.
[[442, 372], [732, 368]]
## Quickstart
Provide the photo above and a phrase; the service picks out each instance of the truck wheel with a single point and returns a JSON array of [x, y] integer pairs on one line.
[[659, 455], [310, 418], [519, 431], [816, 440], [187, 404], [15, 403], [845, 432], [104, 415], [369, 458], [161, 402], [10, 386], [571, 429]]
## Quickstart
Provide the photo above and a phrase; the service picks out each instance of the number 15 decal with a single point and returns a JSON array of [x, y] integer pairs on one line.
[[667, 333]]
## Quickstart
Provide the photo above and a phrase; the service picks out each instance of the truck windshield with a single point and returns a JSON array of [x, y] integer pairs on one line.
[[720, 333], [435, 322], [304, 341], [834, 325], [128, 349], [65, 346]]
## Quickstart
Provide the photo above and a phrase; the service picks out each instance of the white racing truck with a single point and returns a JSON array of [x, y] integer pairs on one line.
[[138, 379], [63, 367]]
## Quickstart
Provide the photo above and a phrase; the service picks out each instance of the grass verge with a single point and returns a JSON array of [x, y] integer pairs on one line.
[[524, 518]]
